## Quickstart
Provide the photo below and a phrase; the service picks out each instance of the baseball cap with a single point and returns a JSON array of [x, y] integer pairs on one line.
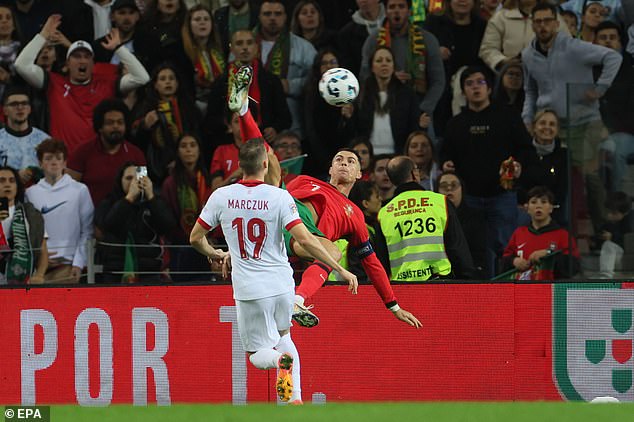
[[78, 45], [120, 4]]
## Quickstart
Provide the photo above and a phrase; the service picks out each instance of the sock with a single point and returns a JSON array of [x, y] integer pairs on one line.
[[313, 278], [248, 128], [286, 345], [265, 358], [299, 300]]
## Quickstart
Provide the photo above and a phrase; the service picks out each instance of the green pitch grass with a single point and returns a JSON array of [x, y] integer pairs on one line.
[[354, 412]]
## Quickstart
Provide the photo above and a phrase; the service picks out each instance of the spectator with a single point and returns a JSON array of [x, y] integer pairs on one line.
[[50, 59], [418, 65], [166, 114], [352, 36], [558, 75], [96, 163], [363, 147], [32, 14], [387, 109], [202, 45], [133, 215], [237, 15], [22, 235], [477, 143], [322, 141], [488, 8], [10, 44], [268, 106], [87, 20], [287, 145], [620, 222], [308, 22], [420, 150], [186, 192], [18, 138], [440, 249], [509, 87], [224, 164], [617, 105], [593, 14], [508, 32], [68, 212], [546, 164], [125, 16], [530, 247], [613, 8], [381, 179], [72, 98], [284, 54], [472, 221], [571, 22]]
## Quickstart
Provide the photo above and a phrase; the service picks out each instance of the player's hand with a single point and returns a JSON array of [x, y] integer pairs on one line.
[[226, 266], [353, 284], [408, 317]]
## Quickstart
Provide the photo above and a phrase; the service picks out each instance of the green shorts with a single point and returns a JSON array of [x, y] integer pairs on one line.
[[307, 218]]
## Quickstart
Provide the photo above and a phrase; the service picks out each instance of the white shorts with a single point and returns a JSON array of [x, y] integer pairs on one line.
[[260, 320]]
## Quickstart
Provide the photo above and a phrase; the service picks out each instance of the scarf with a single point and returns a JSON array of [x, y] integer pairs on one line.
[[254, 89], [130, 262], [417, 12], [171, 126], [279, 56], [191, 201], [543, 149], [416, 55], [20, 265], [209, 65]]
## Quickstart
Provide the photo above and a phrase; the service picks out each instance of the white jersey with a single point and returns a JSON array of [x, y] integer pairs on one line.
[[252, 215]]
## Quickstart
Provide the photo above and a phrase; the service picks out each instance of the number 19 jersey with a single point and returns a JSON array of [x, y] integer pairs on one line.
[[252, 215]]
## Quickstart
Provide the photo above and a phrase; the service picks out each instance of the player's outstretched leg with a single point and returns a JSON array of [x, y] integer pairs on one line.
[[284, 382], [286, 345], [239, 90]]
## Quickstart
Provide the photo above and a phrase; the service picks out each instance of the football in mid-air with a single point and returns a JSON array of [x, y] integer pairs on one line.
[[338, 86]]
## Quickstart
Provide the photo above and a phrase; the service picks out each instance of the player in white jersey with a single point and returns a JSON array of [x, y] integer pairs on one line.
[[252, 215]]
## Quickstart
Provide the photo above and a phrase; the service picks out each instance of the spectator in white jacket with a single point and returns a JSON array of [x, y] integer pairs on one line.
[[68, 214]]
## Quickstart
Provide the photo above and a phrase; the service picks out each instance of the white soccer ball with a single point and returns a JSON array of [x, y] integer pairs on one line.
[[338, 86]]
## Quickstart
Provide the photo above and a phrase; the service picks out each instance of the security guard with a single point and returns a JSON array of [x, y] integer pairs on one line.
[[421, 228]]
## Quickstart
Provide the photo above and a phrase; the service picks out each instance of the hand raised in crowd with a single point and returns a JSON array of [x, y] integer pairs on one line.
[[403, 76], [150, 119], [407, 317], [521, 263], [113, 40], [269, 134], [347, 111], [58, 37], [424, 120], [50, 26], [134, 191], [146, 185], [448, 166]]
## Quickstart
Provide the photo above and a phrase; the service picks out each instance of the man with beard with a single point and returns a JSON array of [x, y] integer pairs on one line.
[[18, 138], [125, 16], [96, 163], [72, 98], [237, 15]]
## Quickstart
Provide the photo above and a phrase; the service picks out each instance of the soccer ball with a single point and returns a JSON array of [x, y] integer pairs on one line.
[[338, 86]]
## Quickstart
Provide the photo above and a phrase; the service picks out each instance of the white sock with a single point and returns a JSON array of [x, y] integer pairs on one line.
[[265, 358], [286, 345], [245, 108], [299, 300]]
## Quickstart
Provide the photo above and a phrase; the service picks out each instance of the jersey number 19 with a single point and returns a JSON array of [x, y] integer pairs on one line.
[[256, 235]]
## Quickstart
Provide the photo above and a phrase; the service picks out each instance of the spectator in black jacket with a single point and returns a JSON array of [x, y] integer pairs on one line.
[[308, 22], [238, 14], [478, 145], [133, 214], [125, 17]]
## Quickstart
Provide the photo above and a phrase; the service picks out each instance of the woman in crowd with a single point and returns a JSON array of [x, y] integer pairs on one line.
[[509, 86], [593, 14], [133, 215], [165, 115], [364, 150], [202, 46], [308, 23], [387, 109], [10, 44], [420, 149], [186, 191], [23, 254]]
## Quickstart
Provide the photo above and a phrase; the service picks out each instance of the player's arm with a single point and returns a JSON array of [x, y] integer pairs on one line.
[[314, 247], [198, 240]]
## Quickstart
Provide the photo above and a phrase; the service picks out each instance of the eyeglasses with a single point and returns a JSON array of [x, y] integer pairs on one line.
[[474, 82], [284, 145], [543, 21], [18, 104], [333, 62], [446, 186], [607, 37]]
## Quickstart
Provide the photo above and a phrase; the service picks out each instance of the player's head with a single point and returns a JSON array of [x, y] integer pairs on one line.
[[401, 169], [345, 166], [253, 157]]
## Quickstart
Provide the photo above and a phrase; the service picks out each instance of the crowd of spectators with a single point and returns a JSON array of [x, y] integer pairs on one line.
[[115, 121]]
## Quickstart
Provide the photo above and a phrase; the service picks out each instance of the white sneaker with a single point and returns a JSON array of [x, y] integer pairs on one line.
[[239, 90], [304, 317]]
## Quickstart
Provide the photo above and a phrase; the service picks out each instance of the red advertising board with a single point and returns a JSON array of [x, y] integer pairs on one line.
[[176, 344]]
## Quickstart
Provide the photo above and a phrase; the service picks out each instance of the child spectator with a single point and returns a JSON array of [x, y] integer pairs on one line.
[[620, 222]]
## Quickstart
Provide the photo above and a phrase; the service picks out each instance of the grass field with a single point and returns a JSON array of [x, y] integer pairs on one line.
[[353, 412]]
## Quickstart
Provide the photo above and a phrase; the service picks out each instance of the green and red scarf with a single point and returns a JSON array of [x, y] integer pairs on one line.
[[209, 65], [279, 57], [191, 201], [172, 123]]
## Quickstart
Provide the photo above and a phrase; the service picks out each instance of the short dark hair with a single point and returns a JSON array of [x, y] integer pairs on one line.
[[15, 90], [409, 3], [472, 70], [348, 150], [286, 134], [51, 145], [399, 169], [380, 157], [251, 155], [19, 195], [571, 14], [544, 6], [618, 202], [452, 173], [609, 25], [541, 192], [107, 105], [272, 1], [361, 191]]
